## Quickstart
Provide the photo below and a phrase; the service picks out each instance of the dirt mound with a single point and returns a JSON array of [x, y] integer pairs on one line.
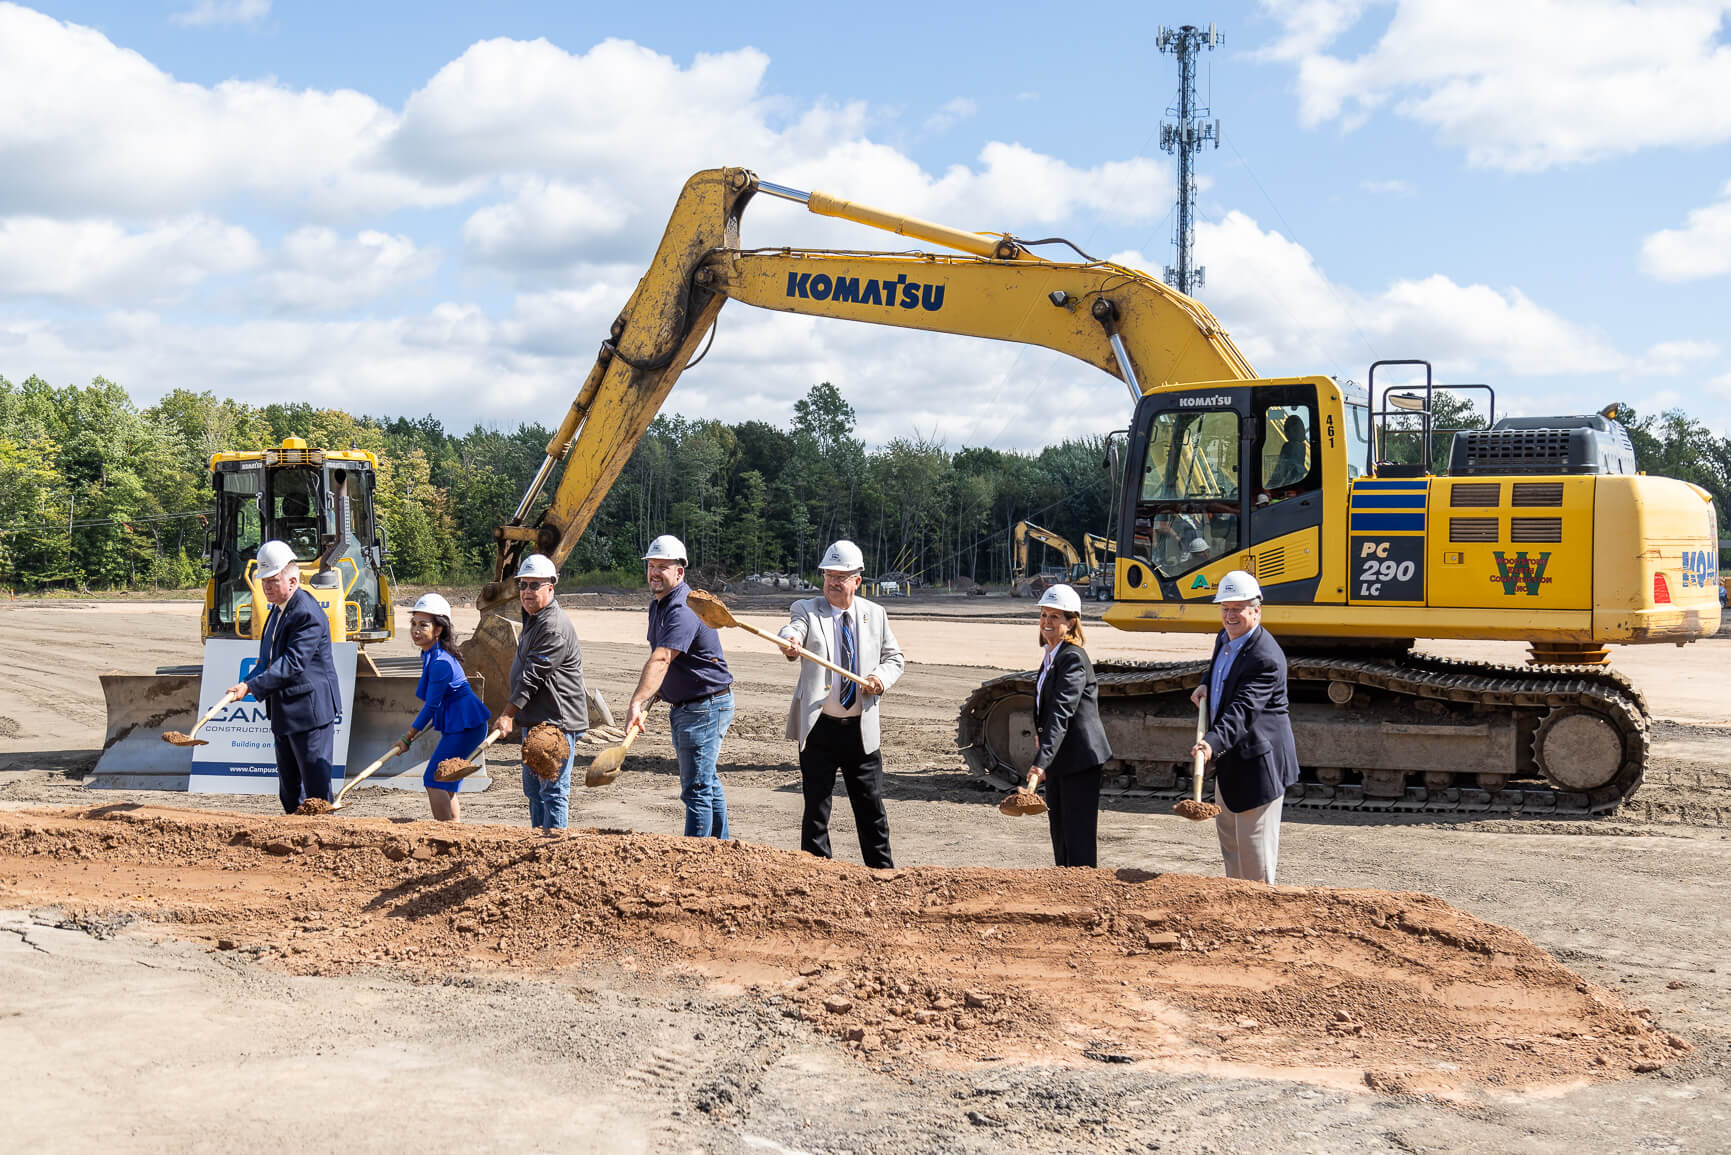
[[1397, 992], [313, 806], [545, 750]]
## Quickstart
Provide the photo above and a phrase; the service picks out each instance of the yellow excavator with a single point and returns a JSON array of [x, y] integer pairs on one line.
[[1097, 578], [320, 502], [1026, 585], [1541, 531]]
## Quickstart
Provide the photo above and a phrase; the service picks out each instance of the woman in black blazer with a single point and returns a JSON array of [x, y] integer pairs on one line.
[[1073, 749]]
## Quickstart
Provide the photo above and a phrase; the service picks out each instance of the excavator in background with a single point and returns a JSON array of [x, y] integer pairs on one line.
[[1096, 553], [319, 501], [1539, 531], [1026, 585]]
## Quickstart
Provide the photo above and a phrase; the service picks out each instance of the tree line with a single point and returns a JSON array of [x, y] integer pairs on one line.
[[99, 493]]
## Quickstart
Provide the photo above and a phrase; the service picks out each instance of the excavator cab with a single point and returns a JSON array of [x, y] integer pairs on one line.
[[1225, 469]]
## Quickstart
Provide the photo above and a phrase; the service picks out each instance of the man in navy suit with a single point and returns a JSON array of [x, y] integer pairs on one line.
[[1249, 735], [296, 680]]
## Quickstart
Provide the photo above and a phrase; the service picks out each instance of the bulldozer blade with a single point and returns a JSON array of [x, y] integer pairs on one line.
[[141, 706]]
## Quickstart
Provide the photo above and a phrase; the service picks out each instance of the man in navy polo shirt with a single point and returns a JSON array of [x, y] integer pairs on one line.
[[687, 671]]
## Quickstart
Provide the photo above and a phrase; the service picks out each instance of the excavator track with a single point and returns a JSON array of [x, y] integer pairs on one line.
[[1414, 733]]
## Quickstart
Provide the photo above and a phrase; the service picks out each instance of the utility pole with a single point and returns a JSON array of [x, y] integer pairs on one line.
[[1185, 138]]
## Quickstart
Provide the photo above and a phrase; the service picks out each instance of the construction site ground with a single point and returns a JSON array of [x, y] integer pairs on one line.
[[198, 972]]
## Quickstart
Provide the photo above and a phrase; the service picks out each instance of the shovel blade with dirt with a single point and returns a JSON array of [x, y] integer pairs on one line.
[[456, 769], [607, 764], [1193, 807], [176, 738], [1022, 802]]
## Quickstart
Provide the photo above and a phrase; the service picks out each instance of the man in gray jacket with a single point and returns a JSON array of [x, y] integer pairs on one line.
[[546, 686], [834, 720]]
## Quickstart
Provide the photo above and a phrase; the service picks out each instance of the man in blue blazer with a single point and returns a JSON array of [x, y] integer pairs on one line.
[[296, 680], [1249, 735]]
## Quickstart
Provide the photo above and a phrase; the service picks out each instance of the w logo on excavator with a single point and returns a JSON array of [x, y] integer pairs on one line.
[[1521, 571]]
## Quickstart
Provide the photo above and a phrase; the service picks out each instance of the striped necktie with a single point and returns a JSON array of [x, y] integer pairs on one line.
[[844, 643]]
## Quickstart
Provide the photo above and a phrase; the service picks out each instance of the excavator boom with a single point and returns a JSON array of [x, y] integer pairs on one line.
[[1115, 318]]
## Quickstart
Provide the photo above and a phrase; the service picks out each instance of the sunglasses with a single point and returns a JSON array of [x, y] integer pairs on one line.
[[524, 587]]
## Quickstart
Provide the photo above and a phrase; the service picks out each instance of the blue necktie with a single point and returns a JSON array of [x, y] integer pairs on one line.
[[845, 635]]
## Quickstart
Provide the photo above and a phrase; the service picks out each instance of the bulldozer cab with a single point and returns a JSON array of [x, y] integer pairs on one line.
[[321, 505], [1221, 469]]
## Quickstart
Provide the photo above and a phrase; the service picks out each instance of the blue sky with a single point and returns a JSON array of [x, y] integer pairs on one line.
[[438, 207]]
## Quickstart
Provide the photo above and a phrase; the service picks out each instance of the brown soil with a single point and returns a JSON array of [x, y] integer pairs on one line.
[[545, 749], [314, 806], [1196, 811], [181, 738], [452, 769], [1397, 991], [1021, 802]]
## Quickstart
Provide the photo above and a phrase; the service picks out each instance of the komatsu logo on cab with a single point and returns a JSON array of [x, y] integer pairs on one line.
[[866, 291], [1198, 402]]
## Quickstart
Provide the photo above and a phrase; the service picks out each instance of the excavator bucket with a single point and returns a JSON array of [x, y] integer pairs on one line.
[[142, 706]]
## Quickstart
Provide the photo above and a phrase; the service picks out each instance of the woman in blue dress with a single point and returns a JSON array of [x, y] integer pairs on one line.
[[452, 706]]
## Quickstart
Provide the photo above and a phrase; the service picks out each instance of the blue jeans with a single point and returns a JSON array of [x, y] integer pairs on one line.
[[550, 802], [697, 730]]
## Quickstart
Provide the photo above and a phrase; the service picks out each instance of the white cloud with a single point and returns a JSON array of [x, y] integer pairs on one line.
[[950, 115], [318, 271], [1701, 248], [91, 129], [1395, 187], [1522, 85], [550, 223], [223, 12], [1672, 358], [1288, 317], [99, 262]]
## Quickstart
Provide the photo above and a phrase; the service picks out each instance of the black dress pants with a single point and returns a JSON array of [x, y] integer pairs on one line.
[[303, 766], [835, 744], [1073, 810]]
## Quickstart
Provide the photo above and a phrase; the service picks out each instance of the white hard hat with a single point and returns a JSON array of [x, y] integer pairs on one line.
[[538, 565], [1237, 586], [434, 604], [667, 548], [274, 557], [843, 555], [1061, 597], [1196, 545]]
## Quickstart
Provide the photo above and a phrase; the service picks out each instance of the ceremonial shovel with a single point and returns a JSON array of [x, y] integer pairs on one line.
[[176, 738], [1194, 808], [363, 776], [445, 772], [607, 764], [715, 614]]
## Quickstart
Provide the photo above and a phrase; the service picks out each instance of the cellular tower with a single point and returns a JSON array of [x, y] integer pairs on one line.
[[1184, 139]]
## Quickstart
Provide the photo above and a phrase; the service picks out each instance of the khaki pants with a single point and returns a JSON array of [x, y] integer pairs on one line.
[[1250, 839]]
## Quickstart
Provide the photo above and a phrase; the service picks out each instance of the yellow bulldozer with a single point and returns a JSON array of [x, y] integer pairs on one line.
[[1540, 530], [319, 501]]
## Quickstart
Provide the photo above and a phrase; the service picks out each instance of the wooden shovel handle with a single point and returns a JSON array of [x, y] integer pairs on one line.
[[362, 777], [493, 736], [211, 713], [1196, 769], [804, 653]]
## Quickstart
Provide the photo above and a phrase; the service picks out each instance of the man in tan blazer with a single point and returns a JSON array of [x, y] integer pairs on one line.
[[835, 720]]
